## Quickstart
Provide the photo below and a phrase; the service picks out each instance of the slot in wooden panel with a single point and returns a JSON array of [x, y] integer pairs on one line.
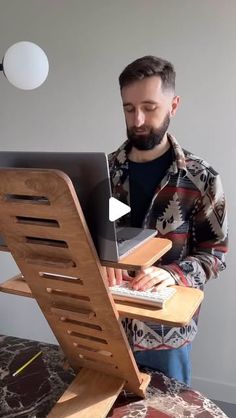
[[66, 287], [72, 304], [71, 322], [96, 356], [101, 359], [26, 199], [61, 278], [50, 261], [97, 345], [26, 220], [77, 315], [74, 330], [46, 241], [60, 293]]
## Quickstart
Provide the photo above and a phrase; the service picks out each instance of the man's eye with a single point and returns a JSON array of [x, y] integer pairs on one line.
[[129, 109], [150, 108]]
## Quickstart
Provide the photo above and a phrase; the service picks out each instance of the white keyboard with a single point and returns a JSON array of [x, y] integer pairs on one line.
[[147, 297]]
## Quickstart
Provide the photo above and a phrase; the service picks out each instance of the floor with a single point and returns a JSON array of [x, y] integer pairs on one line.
[[228, 408]]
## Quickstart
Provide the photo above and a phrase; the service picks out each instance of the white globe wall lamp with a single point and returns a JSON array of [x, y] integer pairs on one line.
[[25, 65]]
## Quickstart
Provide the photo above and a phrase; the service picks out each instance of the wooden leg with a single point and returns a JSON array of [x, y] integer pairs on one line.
[[91, 394]]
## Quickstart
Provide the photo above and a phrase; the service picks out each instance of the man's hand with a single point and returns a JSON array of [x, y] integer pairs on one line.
[[115, 276], [152, 277]]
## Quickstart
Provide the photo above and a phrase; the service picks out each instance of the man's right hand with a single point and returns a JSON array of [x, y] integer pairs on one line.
[[115, 276]]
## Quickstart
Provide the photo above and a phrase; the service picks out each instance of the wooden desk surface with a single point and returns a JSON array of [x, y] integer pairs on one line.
[[144, 256], [177, 312]]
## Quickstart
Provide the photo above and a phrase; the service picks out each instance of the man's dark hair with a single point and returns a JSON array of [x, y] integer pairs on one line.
[[149, 66]]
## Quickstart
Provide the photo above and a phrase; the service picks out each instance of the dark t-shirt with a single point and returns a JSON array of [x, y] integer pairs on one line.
[[144, 179]]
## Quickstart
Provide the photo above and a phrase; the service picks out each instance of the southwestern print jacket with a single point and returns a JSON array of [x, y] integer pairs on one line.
[[188, 207]]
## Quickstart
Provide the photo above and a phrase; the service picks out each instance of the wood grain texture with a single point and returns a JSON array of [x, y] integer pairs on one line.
[[56, 255], [45, 230], [90, 395], [16, 286], [177, 312], [143, 256]]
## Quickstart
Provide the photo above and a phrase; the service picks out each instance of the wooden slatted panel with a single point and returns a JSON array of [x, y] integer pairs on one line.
[[65, 250]]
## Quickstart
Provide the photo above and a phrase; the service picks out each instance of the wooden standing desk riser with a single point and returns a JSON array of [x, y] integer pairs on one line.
[[59, 262]]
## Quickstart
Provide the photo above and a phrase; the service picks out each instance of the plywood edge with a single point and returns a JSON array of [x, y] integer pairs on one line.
[[16, 286], [141, 391]]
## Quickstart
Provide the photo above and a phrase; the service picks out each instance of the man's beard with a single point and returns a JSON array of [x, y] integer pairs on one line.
[[151, 139]]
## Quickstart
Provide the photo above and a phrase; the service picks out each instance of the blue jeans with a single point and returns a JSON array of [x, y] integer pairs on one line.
[[174, 363]]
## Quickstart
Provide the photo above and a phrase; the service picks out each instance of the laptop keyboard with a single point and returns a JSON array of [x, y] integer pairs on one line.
[[123, 292], [125, 239], [129, 238], [126, 234], [121, 240]]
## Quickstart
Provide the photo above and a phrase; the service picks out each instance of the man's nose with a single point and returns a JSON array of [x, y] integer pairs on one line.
[[139, 118]]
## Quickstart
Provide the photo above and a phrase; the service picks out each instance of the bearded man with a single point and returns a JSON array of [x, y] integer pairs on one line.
[[174, 191]]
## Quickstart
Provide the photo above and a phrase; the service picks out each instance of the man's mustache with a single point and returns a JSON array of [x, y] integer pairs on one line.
[[141, 129]]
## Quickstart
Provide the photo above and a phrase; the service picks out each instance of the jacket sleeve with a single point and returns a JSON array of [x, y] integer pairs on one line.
[[209, 236]]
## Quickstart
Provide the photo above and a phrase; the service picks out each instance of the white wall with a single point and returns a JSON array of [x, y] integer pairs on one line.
[[88, 43]]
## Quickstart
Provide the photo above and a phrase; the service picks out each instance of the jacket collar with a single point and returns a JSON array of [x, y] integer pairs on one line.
[[120, 158]]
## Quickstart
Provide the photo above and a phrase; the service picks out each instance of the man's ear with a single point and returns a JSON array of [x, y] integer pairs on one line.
[[174, 105]]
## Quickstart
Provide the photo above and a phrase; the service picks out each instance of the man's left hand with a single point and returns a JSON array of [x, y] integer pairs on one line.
[[152, 277]]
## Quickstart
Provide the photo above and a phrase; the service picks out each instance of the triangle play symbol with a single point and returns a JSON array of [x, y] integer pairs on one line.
[[117, 209]]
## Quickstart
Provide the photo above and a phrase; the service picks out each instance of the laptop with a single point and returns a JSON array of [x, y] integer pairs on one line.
[[89, 173]]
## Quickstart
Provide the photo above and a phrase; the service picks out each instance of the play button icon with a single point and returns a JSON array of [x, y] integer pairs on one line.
[[117, 209]]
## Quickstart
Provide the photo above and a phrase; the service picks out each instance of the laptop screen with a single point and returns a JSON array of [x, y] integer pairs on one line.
[[89, 173]]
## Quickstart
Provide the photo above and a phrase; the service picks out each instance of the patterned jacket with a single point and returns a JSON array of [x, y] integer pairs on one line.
[[188, 207]]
